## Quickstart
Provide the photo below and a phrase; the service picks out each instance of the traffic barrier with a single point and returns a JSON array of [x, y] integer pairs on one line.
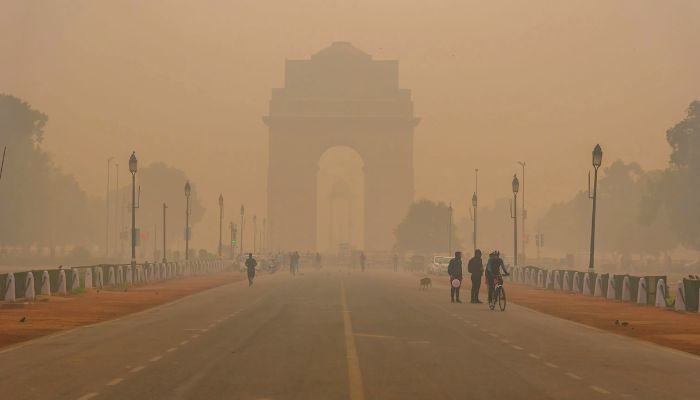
[[548, 283], [87, 278], [598, 289], [610, 295], [61, 287], [10, 287], [74, 279], [29, 292], [626, 289], [660, 294], [129, 276], [120, 275], [99, 277], [576, 287], [45, 284], [540, 279], [557, 285], [679, 304], [587, 285], [690, 289], [642, 292], [111, 279], [566, 286]]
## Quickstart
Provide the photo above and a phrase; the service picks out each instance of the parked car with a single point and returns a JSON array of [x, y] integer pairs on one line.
[[439, 265]]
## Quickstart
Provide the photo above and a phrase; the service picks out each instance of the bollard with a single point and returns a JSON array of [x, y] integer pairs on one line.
[[129, 275], [587, 285], [660, 294], [680, 297], [29, 292], [10, 287], [120, 275], [111, 279], [598, 290], [88, 278], [610, 293], [566, 286], [557, 285], [61, 288], [74, 279], [626, 289], [642, 291], [576, 287], [45, 284]]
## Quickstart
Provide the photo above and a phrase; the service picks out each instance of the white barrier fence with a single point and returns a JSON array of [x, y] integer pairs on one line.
[[63, 281]]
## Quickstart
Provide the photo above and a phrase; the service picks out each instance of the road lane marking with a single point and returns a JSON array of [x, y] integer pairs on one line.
[[88, 396], [184, 342], [516, 347], [550, 365], [573, 376], [493, 335], [375, 336], [156, 358], [354, 373], [137, 369], [599, 389], [533, 355], [506, 341], [115, 381], [419, 342], [170, 350], [195, 336]]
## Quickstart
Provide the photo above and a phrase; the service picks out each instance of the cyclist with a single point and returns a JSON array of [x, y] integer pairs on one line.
[[493, 272]]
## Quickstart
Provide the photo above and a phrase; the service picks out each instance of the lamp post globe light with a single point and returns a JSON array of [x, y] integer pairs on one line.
[[516, 187], [133, 168], [221, 220], [597, 161], [188, 192]]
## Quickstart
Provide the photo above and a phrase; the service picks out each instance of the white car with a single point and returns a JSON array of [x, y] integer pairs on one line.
[[439, 265]]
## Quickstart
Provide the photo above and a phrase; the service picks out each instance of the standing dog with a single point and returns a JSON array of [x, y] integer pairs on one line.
[[425, 283]]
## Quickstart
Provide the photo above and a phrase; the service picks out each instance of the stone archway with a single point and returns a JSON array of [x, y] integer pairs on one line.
[[339, 97]]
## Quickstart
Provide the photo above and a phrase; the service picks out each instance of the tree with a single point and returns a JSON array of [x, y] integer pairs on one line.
[[425, 229], [621, 226], [676, 192], [40, 205]]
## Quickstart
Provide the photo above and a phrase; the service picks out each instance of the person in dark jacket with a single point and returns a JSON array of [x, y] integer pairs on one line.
[[454, 269], [250, 265], [476, 268]]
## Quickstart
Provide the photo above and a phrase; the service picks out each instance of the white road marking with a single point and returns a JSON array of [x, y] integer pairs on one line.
[[551, 365], [483, 330], [137, 369], [184, 342], [156, 358], [115, 381], [88, 396], [493, 335], [170, 350], [195, 336], [516, 347], [599, 389], [506, 341], [533, 355], [573, 376], [419, 342]]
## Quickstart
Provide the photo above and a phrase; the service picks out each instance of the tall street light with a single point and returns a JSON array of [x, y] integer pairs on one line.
[[221, 220], [449, 229], [514, 214], [597, 160], [242, 216], [165, 258], [255, 233], [133, 168], [188, 192], [109, 161], [474, 205], [523, 215], [233, 239]]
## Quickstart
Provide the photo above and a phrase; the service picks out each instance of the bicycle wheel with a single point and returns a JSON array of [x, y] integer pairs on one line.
[[502, 298]]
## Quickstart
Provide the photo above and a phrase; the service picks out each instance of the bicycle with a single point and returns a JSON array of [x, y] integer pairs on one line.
[[499, 294]]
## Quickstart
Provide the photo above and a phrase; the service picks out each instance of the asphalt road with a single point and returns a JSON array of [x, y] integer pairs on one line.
[[339, 335]]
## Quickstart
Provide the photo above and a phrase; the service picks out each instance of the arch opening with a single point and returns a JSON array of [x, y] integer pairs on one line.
[[340, 211]]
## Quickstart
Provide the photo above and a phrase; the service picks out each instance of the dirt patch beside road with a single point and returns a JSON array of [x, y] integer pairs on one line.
[[662, 326], [50, 314]]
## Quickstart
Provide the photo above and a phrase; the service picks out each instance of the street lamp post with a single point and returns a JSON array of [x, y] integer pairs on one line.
[[233, 238], [474, 204], [449, 229], [221, 220], [109, 161], [514, 215], [133, 168], [165, 258], [188, 192], [597, 161], [523, 215], [242, 220]]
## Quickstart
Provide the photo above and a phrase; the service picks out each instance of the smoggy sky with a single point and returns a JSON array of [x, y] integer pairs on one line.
[[186, 82]]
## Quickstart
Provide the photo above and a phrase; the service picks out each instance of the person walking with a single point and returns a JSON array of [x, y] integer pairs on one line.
[[250, 264], [454, 269], [476, 268]]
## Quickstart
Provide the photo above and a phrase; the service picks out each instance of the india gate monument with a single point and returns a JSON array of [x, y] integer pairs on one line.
[[341, 96]]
